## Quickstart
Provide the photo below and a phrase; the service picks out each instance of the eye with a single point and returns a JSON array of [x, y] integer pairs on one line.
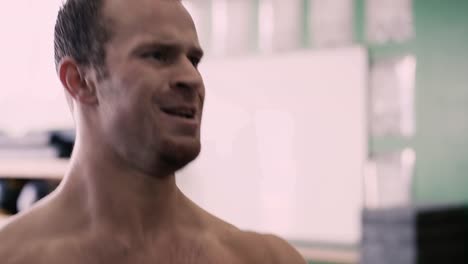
[[157, 55], [195, 61]]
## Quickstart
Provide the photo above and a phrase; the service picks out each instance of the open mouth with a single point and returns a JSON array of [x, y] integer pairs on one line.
[[187, 113]]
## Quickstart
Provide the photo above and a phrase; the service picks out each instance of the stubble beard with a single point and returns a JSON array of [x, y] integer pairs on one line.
[[176, 156]]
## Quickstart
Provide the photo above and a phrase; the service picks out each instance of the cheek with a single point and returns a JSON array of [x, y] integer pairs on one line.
[[131, 126], [132, 91], [133, 98], [124, 105], [134, 113]]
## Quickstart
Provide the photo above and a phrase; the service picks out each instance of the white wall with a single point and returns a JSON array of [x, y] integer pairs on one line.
[[30, 94], [284, 141], [284, 137]]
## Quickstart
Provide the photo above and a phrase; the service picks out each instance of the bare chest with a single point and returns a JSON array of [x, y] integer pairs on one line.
[[196, 254], [174, 255]]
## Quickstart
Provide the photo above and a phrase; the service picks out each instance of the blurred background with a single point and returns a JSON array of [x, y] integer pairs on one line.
[[325, 120]]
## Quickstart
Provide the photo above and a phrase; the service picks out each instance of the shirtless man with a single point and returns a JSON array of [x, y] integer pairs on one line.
[[129, 69]]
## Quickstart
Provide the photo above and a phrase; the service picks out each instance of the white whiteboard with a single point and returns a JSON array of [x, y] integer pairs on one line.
[[283, 144]]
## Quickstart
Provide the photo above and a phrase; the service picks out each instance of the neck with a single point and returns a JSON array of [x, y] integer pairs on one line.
[[124, 200]]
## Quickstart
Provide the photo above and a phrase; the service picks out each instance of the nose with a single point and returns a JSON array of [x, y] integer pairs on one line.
[[187, 80]]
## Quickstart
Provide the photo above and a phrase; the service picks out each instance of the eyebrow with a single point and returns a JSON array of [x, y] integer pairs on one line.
[[165, 45]]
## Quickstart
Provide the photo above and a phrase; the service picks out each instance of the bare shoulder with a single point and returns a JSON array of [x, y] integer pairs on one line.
[[282, 251], [17, 246], [28, 237], [252, 247], [24, 226], [263, 248]]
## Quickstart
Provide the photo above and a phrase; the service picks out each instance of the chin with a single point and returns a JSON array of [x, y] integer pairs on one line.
[[177, 155]]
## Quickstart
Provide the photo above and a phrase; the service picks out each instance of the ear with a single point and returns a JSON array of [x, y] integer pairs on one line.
[[73, 79]]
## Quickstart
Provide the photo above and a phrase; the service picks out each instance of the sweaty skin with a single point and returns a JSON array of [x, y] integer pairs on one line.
[[119, 202]]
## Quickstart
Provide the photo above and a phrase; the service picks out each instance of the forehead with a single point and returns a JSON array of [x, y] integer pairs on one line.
[[162, 19]]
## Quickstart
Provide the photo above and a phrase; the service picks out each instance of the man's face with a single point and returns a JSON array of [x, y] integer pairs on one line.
[[150, 103]]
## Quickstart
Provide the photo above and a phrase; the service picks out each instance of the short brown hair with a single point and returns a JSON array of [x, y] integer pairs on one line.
[[81, 33]]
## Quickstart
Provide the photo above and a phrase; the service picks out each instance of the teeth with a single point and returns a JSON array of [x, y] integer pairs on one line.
[[184, 113], [181, 112]]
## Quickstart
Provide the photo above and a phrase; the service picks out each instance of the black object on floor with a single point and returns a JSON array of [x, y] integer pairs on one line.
[[63, 141], [9, 193]]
